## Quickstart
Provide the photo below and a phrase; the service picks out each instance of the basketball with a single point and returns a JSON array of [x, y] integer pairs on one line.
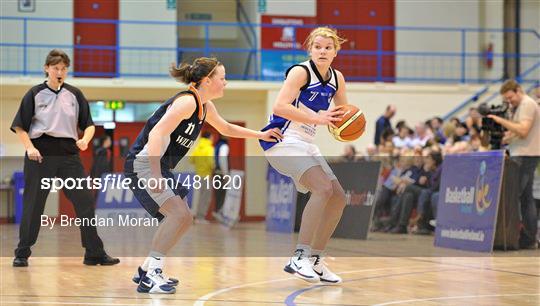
[[351, 126]]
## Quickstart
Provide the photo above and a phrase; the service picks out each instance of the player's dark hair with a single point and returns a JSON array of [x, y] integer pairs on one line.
[[194, 73]]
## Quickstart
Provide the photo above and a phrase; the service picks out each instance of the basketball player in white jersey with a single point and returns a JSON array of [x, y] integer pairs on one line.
[[303, 103]]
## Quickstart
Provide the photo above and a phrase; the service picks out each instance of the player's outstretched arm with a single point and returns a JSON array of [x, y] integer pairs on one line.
[[232, 130]]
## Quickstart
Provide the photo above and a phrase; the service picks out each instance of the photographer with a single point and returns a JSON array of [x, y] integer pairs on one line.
[[523, 139]]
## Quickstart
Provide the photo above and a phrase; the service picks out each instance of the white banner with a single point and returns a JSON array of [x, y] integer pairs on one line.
[[230, 212]]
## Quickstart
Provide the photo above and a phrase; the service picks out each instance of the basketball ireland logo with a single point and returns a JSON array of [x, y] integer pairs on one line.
[[482, 189]]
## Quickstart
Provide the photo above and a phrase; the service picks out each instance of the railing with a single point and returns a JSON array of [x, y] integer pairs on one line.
[[476, 97], [388, 54]]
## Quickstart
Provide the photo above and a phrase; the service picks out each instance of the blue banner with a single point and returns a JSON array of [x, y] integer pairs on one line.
[[468, 200], [281, 202], [274, 63]]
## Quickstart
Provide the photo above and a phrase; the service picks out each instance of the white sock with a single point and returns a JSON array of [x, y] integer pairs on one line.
[[306, 249], [145, 264], [156, 261], [315, 252]]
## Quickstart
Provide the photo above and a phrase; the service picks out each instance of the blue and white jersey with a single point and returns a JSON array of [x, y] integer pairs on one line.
[[313, 97]]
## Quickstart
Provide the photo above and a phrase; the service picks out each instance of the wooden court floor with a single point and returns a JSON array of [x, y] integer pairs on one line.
[[372, 274]]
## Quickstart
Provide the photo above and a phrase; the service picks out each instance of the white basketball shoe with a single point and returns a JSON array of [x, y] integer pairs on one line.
[[154, 282], [301, 267], [325, 275]]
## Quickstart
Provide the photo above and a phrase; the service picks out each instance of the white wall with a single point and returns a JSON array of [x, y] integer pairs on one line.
[[491, 16], [306, 8], [460, 14], [51, 33], [61, 33], [137, 35], [530, 18]]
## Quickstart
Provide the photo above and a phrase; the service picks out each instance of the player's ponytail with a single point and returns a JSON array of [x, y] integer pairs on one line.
[[193, 73]]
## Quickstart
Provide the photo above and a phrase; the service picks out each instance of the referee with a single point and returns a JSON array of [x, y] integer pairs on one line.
[[46, 124]]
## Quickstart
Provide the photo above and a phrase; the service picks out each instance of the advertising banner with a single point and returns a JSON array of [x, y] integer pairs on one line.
[[281, 43], [281, 202], [468, 201]]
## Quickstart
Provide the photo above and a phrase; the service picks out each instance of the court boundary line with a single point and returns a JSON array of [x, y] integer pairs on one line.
[[420, 258], [208, 297], [455, 298], [289, 300]]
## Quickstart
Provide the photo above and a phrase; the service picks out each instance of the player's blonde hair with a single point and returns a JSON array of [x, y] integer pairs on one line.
[[325, 32]]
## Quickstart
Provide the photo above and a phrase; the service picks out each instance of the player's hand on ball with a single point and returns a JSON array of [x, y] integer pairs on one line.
[[272, 135], [329, 117]]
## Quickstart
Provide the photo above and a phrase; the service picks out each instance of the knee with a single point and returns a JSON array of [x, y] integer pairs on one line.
[[181, 216], [408, 197], [339, 199], [324, 190], [186, 217]]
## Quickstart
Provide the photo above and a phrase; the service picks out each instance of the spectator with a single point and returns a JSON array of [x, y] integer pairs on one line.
[[371, 152], [425, 205], [203, 160], [221, 153], [387, 148], [409, 191], [387, 135], [402, 139], [449, 129], [400, 124], [437, 129], [474, 120], [383, 123], [422, 135], [102, 157], [455, 121], [461, 133], [387, 192], [349, 154]]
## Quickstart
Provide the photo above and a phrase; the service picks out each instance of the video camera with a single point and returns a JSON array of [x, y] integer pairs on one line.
[[492, 128]]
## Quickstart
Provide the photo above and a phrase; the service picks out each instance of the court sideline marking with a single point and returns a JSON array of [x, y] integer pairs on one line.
[[200, 301]]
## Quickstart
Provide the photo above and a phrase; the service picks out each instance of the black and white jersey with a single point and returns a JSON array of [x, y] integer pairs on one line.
[[178, 143], [56, 113]]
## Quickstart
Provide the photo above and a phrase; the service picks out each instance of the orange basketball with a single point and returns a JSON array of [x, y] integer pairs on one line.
[[351, 126]]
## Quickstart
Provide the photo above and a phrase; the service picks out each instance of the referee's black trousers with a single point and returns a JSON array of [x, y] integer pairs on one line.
[[34, 197]]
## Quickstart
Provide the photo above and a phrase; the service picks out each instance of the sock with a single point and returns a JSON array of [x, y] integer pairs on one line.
[[156, 261], [306, 249], [319, 253], [145, 264]]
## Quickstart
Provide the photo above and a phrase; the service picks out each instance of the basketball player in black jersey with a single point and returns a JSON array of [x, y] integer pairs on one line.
[[165, 139]]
